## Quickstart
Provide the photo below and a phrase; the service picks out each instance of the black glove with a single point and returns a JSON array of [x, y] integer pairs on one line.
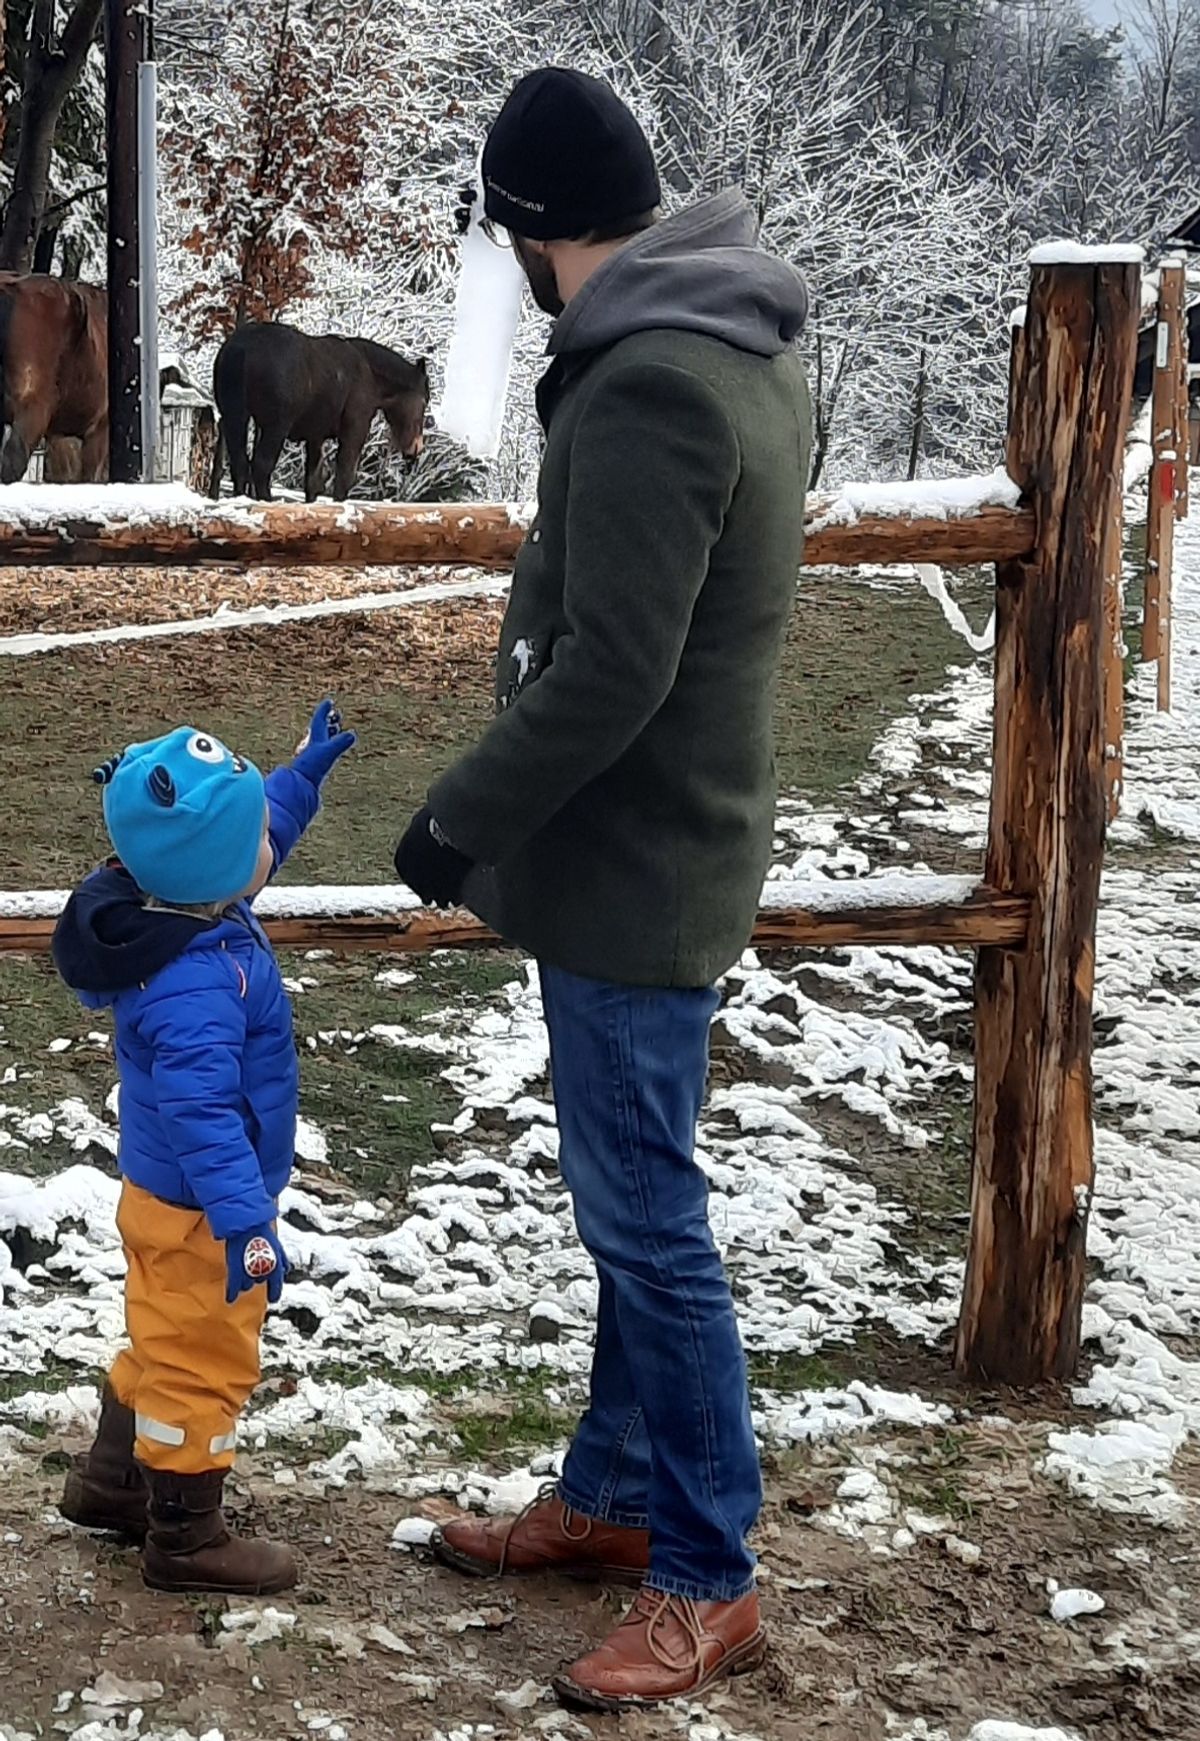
[[429, 864], [462, 212]]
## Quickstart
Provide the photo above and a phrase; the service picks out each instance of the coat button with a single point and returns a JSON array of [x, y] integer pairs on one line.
[[535, 537]]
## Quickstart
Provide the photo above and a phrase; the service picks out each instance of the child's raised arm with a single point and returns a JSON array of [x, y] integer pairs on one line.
[[294, 791]]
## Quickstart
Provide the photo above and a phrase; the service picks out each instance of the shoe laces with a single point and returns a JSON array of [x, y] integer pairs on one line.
[[544, 1495], [652, 1609]]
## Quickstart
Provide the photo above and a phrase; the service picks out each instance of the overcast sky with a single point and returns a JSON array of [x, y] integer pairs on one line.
[[1103, 11]]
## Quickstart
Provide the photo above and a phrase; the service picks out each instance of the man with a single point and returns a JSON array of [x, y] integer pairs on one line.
[[616, 820]]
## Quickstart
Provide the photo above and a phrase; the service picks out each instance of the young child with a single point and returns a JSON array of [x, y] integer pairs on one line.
[[164, 935]]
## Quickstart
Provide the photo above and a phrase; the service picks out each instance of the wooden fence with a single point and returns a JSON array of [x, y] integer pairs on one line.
[[1170, 438], [1033, 918]]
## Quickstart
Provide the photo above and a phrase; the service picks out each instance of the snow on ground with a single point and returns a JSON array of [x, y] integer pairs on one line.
[[480, 1273]]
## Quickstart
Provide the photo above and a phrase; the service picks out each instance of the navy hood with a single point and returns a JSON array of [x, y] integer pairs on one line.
[[108, 940]]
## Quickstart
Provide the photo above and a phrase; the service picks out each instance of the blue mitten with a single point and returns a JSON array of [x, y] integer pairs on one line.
[[251, 1258], [322, 745]]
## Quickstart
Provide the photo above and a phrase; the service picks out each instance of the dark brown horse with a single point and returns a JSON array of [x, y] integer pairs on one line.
[[53, 373], [298, 388]]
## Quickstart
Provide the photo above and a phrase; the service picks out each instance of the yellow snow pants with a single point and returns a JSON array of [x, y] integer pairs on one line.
[[193, 1361]]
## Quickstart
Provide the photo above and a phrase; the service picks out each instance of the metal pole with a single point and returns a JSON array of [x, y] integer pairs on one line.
[[148, 248], [125, 24]]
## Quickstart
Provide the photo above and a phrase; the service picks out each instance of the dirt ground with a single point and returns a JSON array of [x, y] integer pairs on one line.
[[854, 1636], [415, 683], [379, 1643]]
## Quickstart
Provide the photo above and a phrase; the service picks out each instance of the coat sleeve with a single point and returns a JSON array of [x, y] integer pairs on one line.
[[292, 802], [196, 1031], [653, 468]]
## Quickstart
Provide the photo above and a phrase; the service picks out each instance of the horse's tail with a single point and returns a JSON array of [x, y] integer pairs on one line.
[[5, 323], [233, 419]]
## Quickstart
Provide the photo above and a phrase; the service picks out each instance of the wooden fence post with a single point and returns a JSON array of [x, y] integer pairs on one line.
[[1114, 659], [1032, 1179], [1183, 434], [1160, 507]]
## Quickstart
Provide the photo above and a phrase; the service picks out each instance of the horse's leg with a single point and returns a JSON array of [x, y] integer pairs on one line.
[[235, 434], [64, 460], [93, 455], [350, 445], [267, 448], [24, 433], [314, 455]]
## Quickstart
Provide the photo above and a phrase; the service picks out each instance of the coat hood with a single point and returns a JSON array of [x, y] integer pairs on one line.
[[699, 271], [108, 940]]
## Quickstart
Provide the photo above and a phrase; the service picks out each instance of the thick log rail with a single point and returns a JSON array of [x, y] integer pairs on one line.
[[1032, 920], [459, 534], [983, 918]]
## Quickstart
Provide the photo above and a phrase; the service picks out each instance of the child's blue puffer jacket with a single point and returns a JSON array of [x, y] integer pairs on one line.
[[205, 1049]]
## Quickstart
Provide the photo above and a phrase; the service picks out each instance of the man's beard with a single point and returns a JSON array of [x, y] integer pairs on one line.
[[540, 274]]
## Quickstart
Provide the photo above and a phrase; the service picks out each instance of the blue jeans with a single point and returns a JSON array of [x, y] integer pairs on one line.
[[666, 1441]]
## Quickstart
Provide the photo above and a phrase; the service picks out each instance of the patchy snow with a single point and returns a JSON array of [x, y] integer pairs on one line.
[[1071, 1604], [828, 1414], [413, 1532], [843, 1052]]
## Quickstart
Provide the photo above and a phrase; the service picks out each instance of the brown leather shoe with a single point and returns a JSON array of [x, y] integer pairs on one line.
[[667, 1647], [105, 1489], [190, 1547], [546, 1537]]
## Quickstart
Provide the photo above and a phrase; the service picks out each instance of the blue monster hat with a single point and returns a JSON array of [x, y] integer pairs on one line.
[[185, 816]]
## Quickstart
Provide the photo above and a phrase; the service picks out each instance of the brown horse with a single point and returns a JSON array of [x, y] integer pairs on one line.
[[53, 373], [295, 387]]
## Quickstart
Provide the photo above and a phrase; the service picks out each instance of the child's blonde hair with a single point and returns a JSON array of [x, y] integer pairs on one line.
[[204, 910]]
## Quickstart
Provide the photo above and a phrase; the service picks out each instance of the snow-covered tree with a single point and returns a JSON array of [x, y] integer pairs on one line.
[[905, 153], [268, 160], [52, 154]]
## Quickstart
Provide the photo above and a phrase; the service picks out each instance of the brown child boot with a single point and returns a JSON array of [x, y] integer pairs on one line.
[[189, 1545], [546, 1537], [105, 1489]]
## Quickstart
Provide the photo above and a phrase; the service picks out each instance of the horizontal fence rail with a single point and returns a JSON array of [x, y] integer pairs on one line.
[[957, 912], [458, 534], [1052, 535]]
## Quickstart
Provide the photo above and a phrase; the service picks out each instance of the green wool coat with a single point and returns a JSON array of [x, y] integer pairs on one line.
[[620, 808]]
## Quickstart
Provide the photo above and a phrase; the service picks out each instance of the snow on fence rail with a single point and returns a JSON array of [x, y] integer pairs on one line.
[[1053, 533], [956, 911], [963, 520]]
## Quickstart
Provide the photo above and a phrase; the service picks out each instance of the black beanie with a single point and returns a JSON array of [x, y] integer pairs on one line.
[[565, 156]]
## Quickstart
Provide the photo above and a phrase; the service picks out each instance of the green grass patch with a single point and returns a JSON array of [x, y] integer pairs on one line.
[[57, 1376], [938, 1477], [492, 1415], [376, 1103], [826, 1369], [854, 657], [854, 654], [62, 713]]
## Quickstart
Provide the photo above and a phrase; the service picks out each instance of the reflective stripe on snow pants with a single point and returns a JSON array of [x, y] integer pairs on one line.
[[193, 1361]]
